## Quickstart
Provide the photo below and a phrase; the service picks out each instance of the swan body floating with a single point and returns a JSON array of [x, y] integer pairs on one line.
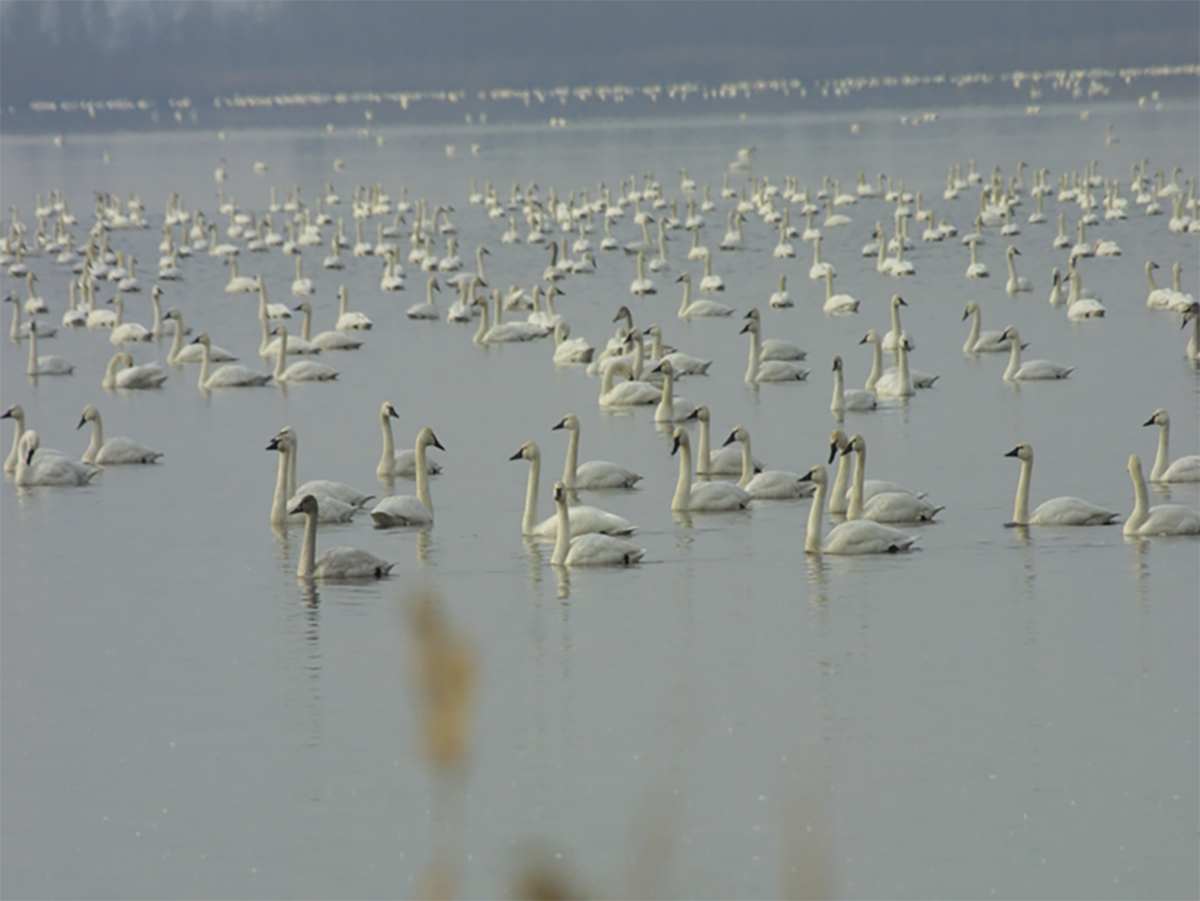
[[771, 484], [270, 310], [231, 375], [17, 414], [982, 342], [426, 310], [33, 469], [593, 474], [191, 353], [394, 463], [301, 370], [896, 332], [724, 461], [1030, 369], [1016, 283], [503, 332], [897, 382], [671, 408], [684, 364], [631, 393], [331, 508], [347, 318], [330, 340], [1185, 469], [126, 332], [584, 519], [148, 375], [1059, 511], [335, 563], [858, 400], [883, 505], [301, 285], [114, 451], [696, 309], [760, 370], [239, 284], [837, 303], [406, 510], [568, 350], [780, 300], [592, 549], [858, 536], [839, 495], [775, 348], [1079, 306], [44, 364], [976, 269], [1162, 519], [705, 497]]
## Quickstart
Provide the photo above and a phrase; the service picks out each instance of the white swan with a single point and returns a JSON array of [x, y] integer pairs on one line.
[[549, 317], [126, 332], [114, 451], [858, 400], [774, 348], [349, 319], [426, 310], [34, 469], [897, 382], [839, 496], [239, 284], [301, 285], [1185, 469], [630, 393], [883, 505], [17, 414], [724, 461], [760, 370], [406, 510], [331, 509], [330, 340], [1016, 283], [770, 484], [584, 519], [149, 375], [301, 370], [269, 310], [694, 309], [1158, 298], [592, 549], [392, 278], [702, 496], [671, 408], [976, 269], [192, 353], [896, 332], [1161, 519], [981, 342], [734, 237], [593, 474], [818, 269], [1060, 511], [780, 300], [837, 303], [1078, 306], [44, 364], [710, 283], [1030, 369], [228, 376], [503, 332], [335, 563], [348, 494], [334, 259], [1057, 298], [1192, 351], [859, 536], [393, 463], [569, 350], [641, 286], [1181, 301]]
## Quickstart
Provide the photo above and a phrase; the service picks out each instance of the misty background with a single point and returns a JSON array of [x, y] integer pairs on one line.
[[78, 51]]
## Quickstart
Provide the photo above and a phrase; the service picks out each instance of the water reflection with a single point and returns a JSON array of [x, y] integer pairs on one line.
[[424, 545]]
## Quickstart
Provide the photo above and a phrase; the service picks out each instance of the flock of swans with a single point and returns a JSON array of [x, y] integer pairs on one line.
[[870, 515]]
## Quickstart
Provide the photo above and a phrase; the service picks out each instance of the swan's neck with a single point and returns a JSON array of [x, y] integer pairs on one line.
[[1021, 507], [562, 542], [1141, 506], [1162, 459], [829, 280], [639, 356], [422, 476], [838, 500], [902, 365], [308, 550], [293, 457], [755, 356], [484, 322], [387, 462], [656, 346], [817, 252], [120, 305], [1012, 268], [1014, 359], [683, 488], [666, 405], [973, 335], [205, 364], [279, 513], [839, 391], [876, 364], [1150, 279], [747, 464], [10, 464], [703, 460], [479, 258], [812, 540], [854, 511], [306, 329], [32, 368], [572, 459], [93, 448], [281, 360], [15, 331], [529, 520]]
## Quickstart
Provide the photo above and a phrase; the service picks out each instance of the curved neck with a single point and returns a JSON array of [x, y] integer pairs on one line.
[[812, 540], [32, 368], [1021, 507], [484, 322], [529, 520], [755, 357], [308, 550], [280, 360], [1012, 268], [562, 541], [639, 355], [747, 463], [683, 488], [838, 500], [279, 512], [1014, 359], [93, 448], [902, 364], [687, 294], [10, 464], [1141, 506], [306, 329], [422, 475], [1162, 459], [876, 364], [205, 363], [572, 459], [387, 461], [973, 335], [839, 391], [1150, 278], [854, 511]]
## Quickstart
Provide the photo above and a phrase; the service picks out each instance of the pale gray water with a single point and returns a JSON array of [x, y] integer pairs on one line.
[[994, 715]]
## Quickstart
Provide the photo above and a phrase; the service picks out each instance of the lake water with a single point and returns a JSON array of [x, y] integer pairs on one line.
[[1002, 713]]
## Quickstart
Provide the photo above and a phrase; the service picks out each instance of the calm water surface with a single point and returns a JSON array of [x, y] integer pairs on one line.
[[1000, 713]]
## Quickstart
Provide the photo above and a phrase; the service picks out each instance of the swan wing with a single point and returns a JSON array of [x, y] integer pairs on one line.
[[595, 549], [862, 536], [1071, 511]]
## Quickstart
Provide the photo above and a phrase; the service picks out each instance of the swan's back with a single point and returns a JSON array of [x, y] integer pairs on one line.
[[400, 510], [595, 549], [862, 536], [1071, 511], [236, 376], [716, 496], [586, 520], [350, 563]]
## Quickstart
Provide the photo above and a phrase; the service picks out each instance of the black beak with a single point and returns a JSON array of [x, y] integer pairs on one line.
[[561, 425], [1013, 453], [518, 454]]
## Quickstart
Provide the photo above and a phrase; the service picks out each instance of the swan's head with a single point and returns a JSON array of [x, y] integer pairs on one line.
[[752, 325], [16, 411], [681, 440], [29, 445], [126, 358], [871, 337], [12, 297], [1012, 251], [303, 307], [856, 444], [89, 413], [837, 363], [388, 410], [1022, 452], [560, 493], [201, 338], [1135, 466], [624, 314], [898, 301], [685, 277], [665, 368], [529, 451], [156, 292], [837, 443], [307, 505], [700, 413], [754, 314], [570, 421], [1150, 264], [1011, 334], [816, 475], [739, 433], [972, 308], [1160, 417], [426, 438]]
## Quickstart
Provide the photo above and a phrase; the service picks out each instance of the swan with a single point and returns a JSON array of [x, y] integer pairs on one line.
[[503, 332], [1161, 519], [1016, 283], [126, 332], [760, 370], [883, 505], [1056, 293], [710, 283], [1158, 298], [321, 488], [114, 451], [1181, 302], [392, 278], [780, 299], [192, 353], [591, 549], [783, 250], [671, 408], [593, 474], [775, 348], [239, 284], [393, 463], [859, 536], [1030, 369], [976, 269], [335, 563], [1082, 248], [1078, 306], [17, 414], [834, 220], [330, 508], [1060, 511], [694, 309], [1062, 239], [45, 364], [1185, 469], [837, 303], [734, 238], [1192, 351], [641, 286], [302, 370], [149, 375], [301, 285], [330, 340], [702, 496], [406, 510], [74, 317], [818, 269], [33, 303], [569, 350], [980, 342], [584, 519], [858, 400], [269, 310], [771, 484], [889, 340], [724, 461], [549, 317], [349, 319], [463, 309], [227, 376], [426, 310], [19, 331], [272, 346], [630, 393], [43, 469], [163, 325], [897, 382], [219, 250], [334, 260]]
